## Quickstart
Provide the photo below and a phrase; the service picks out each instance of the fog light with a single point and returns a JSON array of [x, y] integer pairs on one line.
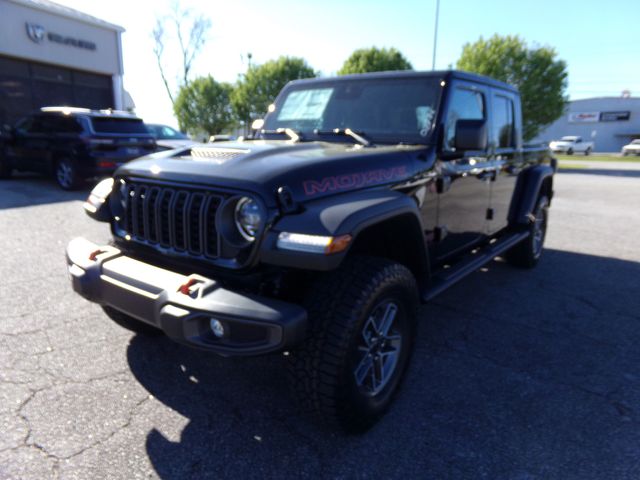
[[216, 327]]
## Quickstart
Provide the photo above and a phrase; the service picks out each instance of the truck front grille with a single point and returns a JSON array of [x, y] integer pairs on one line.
[[172, 218]]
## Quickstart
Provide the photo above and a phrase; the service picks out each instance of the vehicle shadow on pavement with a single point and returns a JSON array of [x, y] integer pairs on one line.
[[516, 374], [610, 172], [25, 190]]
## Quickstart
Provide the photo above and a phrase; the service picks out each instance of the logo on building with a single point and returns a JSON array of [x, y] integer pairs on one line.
[[35, 32]]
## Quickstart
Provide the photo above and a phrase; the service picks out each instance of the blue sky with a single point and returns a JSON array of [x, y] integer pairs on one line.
[[600, 41]]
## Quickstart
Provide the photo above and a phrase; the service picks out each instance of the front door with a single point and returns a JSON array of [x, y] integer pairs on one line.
[[463, 183]]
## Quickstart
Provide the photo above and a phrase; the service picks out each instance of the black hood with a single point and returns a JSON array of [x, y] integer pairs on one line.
[[310, 170]]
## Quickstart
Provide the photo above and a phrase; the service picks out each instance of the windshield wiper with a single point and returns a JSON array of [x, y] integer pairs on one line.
[[294, 135], [357, 136]]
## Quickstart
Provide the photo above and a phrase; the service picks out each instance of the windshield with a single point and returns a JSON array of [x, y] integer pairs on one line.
[[635, 142], [164, 132], [118, 125], [568, 139], [389, 110]]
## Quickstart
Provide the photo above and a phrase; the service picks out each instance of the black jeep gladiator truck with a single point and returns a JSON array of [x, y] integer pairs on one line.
[[360, 196]]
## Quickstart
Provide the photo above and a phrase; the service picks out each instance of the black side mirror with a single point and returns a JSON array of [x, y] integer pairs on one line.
[[471, 135]]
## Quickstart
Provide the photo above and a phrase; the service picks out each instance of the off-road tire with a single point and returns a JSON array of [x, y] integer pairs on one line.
[[340, 306], [527, 253], [130, 323], [66, 174]]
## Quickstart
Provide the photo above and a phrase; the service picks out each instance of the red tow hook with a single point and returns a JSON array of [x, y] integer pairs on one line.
[[95, 253], [185, 287]]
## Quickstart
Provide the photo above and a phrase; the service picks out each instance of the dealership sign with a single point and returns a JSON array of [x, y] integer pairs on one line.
[[37, 34], [593, 117], [584, 117]]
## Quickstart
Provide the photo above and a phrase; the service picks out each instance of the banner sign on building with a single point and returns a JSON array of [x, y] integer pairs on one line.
[[615, 116], [584, 117]]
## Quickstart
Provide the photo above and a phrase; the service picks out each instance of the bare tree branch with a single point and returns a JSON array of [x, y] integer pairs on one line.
[[191, 31], [158, 50]]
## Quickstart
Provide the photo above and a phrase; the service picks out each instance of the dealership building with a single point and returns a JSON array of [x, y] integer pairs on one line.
[[610, 122], [55, 55]]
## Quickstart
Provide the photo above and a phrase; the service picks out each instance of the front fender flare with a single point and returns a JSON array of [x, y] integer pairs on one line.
[[348, 213]]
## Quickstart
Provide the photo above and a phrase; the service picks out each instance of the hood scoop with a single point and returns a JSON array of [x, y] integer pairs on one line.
[[216, 154]]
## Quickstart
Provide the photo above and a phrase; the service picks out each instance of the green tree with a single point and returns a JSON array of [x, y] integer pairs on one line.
[[261, 84], [374, 59], [538, 74], [203, 105]]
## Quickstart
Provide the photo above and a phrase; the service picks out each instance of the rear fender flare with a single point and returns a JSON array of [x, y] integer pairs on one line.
[[528, 187]]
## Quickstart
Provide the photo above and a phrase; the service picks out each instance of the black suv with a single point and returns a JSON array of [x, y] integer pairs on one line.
[[73, 144]]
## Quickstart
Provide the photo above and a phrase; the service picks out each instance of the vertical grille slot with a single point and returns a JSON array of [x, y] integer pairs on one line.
[[137, 200], [179, 229], [194, 216], [164, 217], [212, 243], [150, 214]]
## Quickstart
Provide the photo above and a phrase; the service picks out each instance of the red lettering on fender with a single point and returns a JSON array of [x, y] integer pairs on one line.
[[353, 180]]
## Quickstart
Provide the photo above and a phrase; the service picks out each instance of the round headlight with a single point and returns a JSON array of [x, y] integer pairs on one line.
[[248, 217]]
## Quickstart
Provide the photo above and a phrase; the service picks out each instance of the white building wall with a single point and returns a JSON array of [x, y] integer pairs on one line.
[[587, 118]]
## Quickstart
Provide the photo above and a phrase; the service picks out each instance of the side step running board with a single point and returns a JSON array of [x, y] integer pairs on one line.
[[444, 279]]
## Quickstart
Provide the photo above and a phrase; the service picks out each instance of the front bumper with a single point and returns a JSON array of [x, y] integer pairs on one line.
[[253, 324]]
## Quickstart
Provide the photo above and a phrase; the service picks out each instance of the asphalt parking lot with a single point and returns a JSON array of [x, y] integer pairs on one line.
[[517, 374]]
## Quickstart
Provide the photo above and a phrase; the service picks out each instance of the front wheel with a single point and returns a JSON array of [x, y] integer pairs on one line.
[[587, 152], [362, 319], [527, 253]]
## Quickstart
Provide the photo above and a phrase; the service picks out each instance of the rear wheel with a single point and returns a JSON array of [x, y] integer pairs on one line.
[[66, 174], [587, 151], [362, 320], [527, 253], [570, 151], [130, 323]]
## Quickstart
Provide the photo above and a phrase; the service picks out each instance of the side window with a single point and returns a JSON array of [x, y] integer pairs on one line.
[[67, 125], [503, 136], [465, 104]]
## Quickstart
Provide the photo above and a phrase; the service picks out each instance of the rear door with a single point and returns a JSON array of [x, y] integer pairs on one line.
[[505, 145], [463, 184]]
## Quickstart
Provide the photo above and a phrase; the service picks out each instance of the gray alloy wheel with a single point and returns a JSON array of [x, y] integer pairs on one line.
[[379, 348], [65, 174], [527, 253], [539, 229]]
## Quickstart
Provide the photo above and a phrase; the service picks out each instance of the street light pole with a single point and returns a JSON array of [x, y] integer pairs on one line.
[[435, 35]]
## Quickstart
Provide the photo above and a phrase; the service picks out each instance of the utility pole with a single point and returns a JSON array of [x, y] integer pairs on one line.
[[435, 35]]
